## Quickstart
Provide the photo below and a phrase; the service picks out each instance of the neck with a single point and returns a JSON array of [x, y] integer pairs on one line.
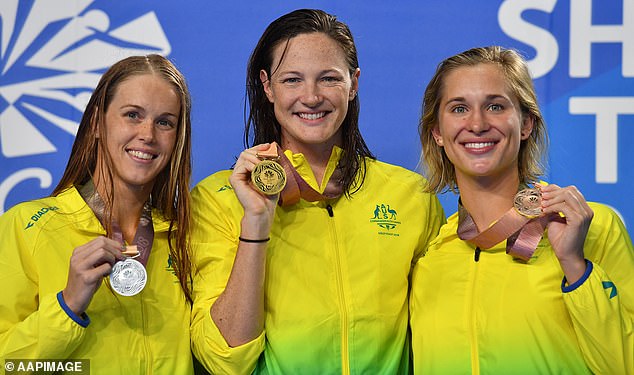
[[487, 199], [127, 205]]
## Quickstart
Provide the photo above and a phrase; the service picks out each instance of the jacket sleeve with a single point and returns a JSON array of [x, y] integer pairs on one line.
[[601, 304], [214, 244], [32, 326], [434, 220]]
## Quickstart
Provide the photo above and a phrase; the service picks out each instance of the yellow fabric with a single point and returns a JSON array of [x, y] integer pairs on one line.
[[503, 316], [144, 334], [336, 286], [303, 168]]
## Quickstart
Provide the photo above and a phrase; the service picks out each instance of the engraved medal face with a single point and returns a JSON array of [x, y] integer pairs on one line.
[[128, 277], [528, 203], [269, 177]]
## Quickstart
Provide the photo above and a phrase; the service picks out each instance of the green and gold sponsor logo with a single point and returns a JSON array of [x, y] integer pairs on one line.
[[385, 218]]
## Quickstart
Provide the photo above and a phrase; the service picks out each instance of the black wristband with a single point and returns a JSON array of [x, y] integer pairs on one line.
[[254, 241]]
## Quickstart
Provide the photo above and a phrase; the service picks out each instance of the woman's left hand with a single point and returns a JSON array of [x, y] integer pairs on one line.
[[567, 237]]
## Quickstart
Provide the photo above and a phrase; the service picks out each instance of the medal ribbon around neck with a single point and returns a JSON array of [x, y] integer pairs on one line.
[[522, 226], [296, 187], [128, 277]]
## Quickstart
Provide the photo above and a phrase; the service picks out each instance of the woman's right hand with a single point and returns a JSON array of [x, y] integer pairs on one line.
[[89, 264], [259, 208]]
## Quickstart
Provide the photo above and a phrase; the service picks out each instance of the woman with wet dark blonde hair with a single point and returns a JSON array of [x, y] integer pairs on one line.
[[526, 278], [118, 217], [311, 278]]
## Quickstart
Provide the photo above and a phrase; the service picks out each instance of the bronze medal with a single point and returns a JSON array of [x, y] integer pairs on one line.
[[269, 177], [528, 203]]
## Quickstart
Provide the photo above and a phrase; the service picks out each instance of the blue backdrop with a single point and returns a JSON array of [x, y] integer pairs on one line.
[[581, 55]]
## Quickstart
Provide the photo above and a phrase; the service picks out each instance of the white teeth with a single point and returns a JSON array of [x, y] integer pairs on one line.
[[478, 145], [312, 116], [141, 155]]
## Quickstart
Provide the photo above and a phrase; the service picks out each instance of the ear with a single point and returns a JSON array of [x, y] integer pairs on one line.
[[527, 126], [354, 87], [435, 132], [266, 84]]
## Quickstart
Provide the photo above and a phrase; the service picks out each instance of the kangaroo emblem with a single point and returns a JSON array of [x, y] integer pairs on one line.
[[376, 212]]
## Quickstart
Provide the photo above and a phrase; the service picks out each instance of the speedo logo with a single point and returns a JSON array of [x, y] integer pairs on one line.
[[41, 212], [386, 219]]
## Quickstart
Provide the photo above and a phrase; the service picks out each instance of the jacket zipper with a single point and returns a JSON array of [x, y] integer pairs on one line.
[[473, 334], [148, 353], [345, 364]]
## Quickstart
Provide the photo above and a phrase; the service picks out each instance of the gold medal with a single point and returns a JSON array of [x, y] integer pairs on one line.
[[269, 177], [528, 203]]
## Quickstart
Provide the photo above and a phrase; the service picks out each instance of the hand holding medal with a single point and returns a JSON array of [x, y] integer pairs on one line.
[[523, 225], [268, 176], [568, 236], [89, 264]]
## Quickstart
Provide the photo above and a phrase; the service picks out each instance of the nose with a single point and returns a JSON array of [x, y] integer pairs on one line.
[[145, 131], [478, 123], [311, 95]]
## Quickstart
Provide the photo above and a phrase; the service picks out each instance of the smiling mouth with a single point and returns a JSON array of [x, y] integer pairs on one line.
[[142, 155], [478, 145], [311, 116]]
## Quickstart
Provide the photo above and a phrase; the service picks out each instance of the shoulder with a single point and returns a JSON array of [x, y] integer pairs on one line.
[[216, 182], [213, 190], [605, 218], [27, 216], [382, 171]]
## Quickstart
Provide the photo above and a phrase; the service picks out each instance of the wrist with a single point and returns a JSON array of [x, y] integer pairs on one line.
[[573, 269], [254, 228]]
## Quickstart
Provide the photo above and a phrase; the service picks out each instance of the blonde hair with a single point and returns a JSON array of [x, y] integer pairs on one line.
[[437, 168]]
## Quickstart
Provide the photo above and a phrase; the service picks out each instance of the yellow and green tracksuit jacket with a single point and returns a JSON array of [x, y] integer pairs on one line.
[[496, 315], [144, 334], [337, 274]]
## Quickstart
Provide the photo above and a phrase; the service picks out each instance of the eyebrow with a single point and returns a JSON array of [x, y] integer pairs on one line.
[[135, 106], [488, 98], [322, 72]]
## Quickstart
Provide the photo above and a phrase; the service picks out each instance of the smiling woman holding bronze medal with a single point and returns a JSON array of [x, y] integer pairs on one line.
[[312, 280], [526, 277], [118, 217]]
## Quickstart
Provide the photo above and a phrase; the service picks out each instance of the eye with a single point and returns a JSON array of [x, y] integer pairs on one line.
[[291, 80], [495, 107], [459, 109], [132, 115], [164, 123], [330, 79]]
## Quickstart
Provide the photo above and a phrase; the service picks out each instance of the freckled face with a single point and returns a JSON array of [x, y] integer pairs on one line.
[[310, 91], [141, 125], [480, 123]]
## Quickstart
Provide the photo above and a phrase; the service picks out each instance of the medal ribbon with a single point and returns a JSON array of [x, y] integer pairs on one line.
[[521, 232], [296, 187], [144, 236]]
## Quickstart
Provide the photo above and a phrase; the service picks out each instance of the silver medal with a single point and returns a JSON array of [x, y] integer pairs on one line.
[[128, 277]]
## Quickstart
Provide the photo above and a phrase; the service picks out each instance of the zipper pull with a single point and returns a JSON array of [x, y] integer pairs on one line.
[[476, 256], [329, 209]]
